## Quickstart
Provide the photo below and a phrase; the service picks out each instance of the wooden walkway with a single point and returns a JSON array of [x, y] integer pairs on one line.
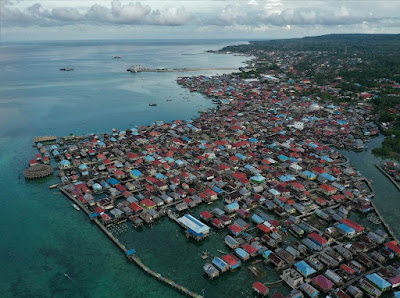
[[133, 258]]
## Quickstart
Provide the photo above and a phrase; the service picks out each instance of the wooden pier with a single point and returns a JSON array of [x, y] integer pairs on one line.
[[387, 175], [133, 70], [45, 139], [133, 258]]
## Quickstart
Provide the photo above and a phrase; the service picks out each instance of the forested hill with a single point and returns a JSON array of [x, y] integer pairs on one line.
[[361, 43]]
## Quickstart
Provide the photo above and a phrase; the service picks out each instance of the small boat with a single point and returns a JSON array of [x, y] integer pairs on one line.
[[205, 255], [152, 104], [221, 251], [76, 207], [366, 148], [66, 69], [169, 99], [117, 57]]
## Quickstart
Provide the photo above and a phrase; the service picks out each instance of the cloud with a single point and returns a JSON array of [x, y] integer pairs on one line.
[[128, 14], [257, 14]]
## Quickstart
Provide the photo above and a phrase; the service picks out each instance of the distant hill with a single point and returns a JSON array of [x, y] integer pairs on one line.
[[362, 43]]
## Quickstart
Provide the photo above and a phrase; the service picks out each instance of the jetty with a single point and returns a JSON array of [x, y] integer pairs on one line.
[[138, 68], [45, 139]]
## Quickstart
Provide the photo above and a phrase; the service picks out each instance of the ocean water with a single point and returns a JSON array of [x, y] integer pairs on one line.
[[42, 237]]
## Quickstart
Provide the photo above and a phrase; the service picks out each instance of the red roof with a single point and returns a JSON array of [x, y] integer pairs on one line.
[[147, 203], [321, 240], [235, 228], [230, 259], [392, 245], [209, 192], [347, 269], [135, 207], [260, 288], [206, 215], [353, 225], [249, 249], [327, 188], [324, 283], [263, 228]]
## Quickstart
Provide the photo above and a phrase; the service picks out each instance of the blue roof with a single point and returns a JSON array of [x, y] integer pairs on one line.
[[304, 268], [241, 252], [113, 181], [378, 281], [149, 158], [283, 157], [217, 189], [309, 174], [161, 176], [65, 162], [328, 177], [233, 205], [93, 215], [136, 173], [346, 228], [286, 178], [241, 156], [257, 219], [253, 140], [266, 254], [327, 158], [274, 191], [221, 264]]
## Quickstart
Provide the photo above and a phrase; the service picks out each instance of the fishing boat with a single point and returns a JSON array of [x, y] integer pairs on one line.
[[76, 207], [152, 104], [66, 69]]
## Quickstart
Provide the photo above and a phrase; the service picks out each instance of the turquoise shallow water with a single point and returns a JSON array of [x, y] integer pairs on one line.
[[42, 237]]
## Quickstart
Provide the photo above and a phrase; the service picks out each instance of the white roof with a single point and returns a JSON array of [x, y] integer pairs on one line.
[[194, 224]]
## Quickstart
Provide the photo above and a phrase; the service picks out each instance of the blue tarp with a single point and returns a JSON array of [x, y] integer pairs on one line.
[[130, 252]]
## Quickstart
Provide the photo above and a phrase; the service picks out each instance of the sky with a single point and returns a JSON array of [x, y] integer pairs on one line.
[[193, 19]]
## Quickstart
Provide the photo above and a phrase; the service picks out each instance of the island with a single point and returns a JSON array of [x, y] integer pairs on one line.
[[262, 172]]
